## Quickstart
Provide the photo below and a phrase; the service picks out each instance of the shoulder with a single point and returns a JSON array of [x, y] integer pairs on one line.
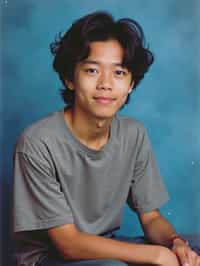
[[130, 133], [45, 127], [39, 133], [129, 126]]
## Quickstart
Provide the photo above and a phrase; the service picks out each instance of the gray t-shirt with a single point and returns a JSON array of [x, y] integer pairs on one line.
[[58, 180]]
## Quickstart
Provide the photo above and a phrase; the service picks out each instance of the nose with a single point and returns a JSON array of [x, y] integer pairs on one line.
[[105, 81]]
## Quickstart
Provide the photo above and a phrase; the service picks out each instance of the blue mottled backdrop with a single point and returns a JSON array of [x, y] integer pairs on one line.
[[167, 101]]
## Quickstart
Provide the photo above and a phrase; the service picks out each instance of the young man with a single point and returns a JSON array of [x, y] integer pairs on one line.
[[75, 169]]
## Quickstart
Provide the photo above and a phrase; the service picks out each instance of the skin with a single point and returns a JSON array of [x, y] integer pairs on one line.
[[101, 87], [185, 254]]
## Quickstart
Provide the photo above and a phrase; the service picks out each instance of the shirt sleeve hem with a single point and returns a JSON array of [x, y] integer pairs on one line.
[[44, 224], [152, 206]]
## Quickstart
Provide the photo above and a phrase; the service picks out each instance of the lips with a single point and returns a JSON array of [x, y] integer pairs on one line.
[[103, 99]]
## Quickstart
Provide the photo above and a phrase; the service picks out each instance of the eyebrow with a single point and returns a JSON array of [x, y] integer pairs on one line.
[[87, 61]]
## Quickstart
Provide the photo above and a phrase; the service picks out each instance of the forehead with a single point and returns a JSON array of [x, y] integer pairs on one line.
[[109, 51]]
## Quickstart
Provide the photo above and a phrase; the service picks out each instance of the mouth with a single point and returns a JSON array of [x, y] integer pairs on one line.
[[104, 100]]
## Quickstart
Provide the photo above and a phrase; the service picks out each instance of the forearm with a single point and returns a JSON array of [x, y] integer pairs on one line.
[[159, 231], [75, 245], [90, 246]]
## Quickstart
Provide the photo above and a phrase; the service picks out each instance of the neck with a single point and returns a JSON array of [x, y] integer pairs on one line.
[[90, 131]]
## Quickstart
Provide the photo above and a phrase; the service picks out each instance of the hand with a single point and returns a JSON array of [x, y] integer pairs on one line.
[[166, 258], [185, 255]]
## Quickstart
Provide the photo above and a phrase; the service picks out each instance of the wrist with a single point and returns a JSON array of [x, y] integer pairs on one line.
[[166, 257], [177, 239]]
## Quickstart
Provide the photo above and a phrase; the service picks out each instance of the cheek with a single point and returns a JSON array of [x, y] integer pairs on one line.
[[123, 91], [123, 86], [83, 91], [123, 95], [85, 84]]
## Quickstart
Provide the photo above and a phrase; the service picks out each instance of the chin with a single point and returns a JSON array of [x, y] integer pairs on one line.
[[104, 115], [103, 112]]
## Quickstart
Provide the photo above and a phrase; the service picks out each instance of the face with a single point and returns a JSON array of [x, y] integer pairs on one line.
[[101, 84]]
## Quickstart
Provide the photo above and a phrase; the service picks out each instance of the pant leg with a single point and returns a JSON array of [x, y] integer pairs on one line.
[[59, 262], [136, 240]]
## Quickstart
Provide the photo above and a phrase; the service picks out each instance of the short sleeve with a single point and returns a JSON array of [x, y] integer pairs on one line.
[[38, 201], [147, 191]]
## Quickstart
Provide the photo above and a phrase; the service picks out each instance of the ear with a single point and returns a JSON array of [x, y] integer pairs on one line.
[[69, 84], [131, 87]]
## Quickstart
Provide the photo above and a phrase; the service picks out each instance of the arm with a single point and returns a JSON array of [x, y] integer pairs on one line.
[[156, 228], [75, 245], [159, 231]]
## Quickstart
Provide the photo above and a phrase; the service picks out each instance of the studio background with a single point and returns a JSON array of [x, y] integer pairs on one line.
[[167, 100]]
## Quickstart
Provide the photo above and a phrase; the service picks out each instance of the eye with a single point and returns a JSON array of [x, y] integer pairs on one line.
[[91, 71], [120, 73]]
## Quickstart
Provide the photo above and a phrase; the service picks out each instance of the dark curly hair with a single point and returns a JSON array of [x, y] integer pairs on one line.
[[73, 47]]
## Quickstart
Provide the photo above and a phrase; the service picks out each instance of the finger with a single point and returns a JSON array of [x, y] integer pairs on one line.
[[183, 259], [192, 258], [198, 261], [182, 256]]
